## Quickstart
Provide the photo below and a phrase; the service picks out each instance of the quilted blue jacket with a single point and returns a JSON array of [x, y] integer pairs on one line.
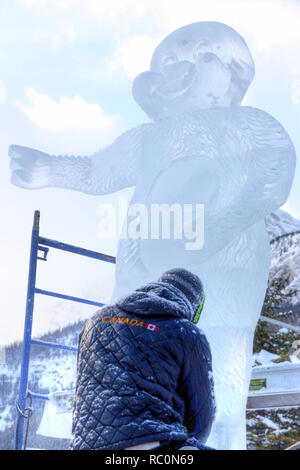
[[144, 373]]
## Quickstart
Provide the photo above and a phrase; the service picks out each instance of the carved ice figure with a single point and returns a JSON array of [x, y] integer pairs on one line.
[[201, 147]]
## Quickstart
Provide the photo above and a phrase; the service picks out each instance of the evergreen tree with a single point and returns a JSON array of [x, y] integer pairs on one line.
[[270, 337], [274, 429]]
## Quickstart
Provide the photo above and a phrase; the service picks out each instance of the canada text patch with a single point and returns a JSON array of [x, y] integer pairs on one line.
[[129, 321]]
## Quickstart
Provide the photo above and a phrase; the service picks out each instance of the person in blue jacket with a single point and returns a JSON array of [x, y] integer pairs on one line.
[[144, 371]]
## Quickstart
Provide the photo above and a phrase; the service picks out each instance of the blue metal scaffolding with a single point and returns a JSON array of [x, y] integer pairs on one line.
[[38, 251]]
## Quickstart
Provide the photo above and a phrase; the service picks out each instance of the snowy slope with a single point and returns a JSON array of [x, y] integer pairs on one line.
[[280, 223], [50, 370], [285, 261], [284, 233]]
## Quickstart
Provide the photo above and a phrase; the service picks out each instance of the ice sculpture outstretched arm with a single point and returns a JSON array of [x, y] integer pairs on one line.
[[110, 169]]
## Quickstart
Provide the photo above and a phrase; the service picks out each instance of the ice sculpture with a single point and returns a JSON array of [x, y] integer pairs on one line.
[[202, 147]]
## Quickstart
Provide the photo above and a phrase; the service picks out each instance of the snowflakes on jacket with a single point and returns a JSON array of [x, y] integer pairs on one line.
[[144, 373]]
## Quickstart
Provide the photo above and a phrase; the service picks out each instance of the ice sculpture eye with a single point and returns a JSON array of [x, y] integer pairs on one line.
[[202, 47]]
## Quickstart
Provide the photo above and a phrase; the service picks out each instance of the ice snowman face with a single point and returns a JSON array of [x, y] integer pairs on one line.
[[201, 65]]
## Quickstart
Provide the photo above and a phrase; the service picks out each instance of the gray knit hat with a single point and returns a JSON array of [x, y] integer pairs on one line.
[[190, 285]]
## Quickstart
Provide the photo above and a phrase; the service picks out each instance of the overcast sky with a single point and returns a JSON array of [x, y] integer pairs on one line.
[[66, 71]]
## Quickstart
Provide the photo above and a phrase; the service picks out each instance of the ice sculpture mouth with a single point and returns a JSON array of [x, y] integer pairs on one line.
[[176, 88]]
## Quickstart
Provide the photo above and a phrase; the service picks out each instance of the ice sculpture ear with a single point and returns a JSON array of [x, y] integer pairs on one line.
[[143, 91]]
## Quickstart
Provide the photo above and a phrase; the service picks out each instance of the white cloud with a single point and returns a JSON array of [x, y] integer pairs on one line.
[[68, 114], [2, 92], [100, 10], [292, 210], [270, 27], [45, 3], [275, 20], [268, 23], [56, 39], [66, 35], [127, 11], [296, 91], [133, 55]]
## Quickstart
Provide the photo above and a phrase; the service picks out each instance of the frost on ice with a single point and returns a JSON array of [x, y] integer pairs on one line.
[[201, 147]]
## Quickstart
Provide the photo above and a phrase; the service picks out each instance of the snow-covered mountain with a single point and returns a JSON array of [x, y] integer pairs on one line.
[[281, 223], [285, 261], [50, 370], [284, 233], [53, 370]]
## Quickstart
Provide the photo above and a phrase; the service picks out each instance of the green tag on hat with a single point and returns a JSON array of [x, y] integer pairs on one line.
[[199, 310]]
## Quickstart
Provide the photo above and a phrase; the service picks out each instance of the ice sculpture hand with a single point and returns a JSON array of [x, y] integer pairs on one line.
[[30, 167], [110, 169]]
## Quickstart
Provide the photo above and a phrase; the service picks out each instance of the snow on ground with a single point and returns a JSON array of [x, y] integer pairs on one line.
[[57, 373], [268, 422], [4, 417], [264, 358]]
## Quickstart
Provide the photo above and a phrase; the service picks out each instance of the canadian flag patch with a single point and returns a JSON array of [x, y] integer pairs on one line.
[[151, 327]]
